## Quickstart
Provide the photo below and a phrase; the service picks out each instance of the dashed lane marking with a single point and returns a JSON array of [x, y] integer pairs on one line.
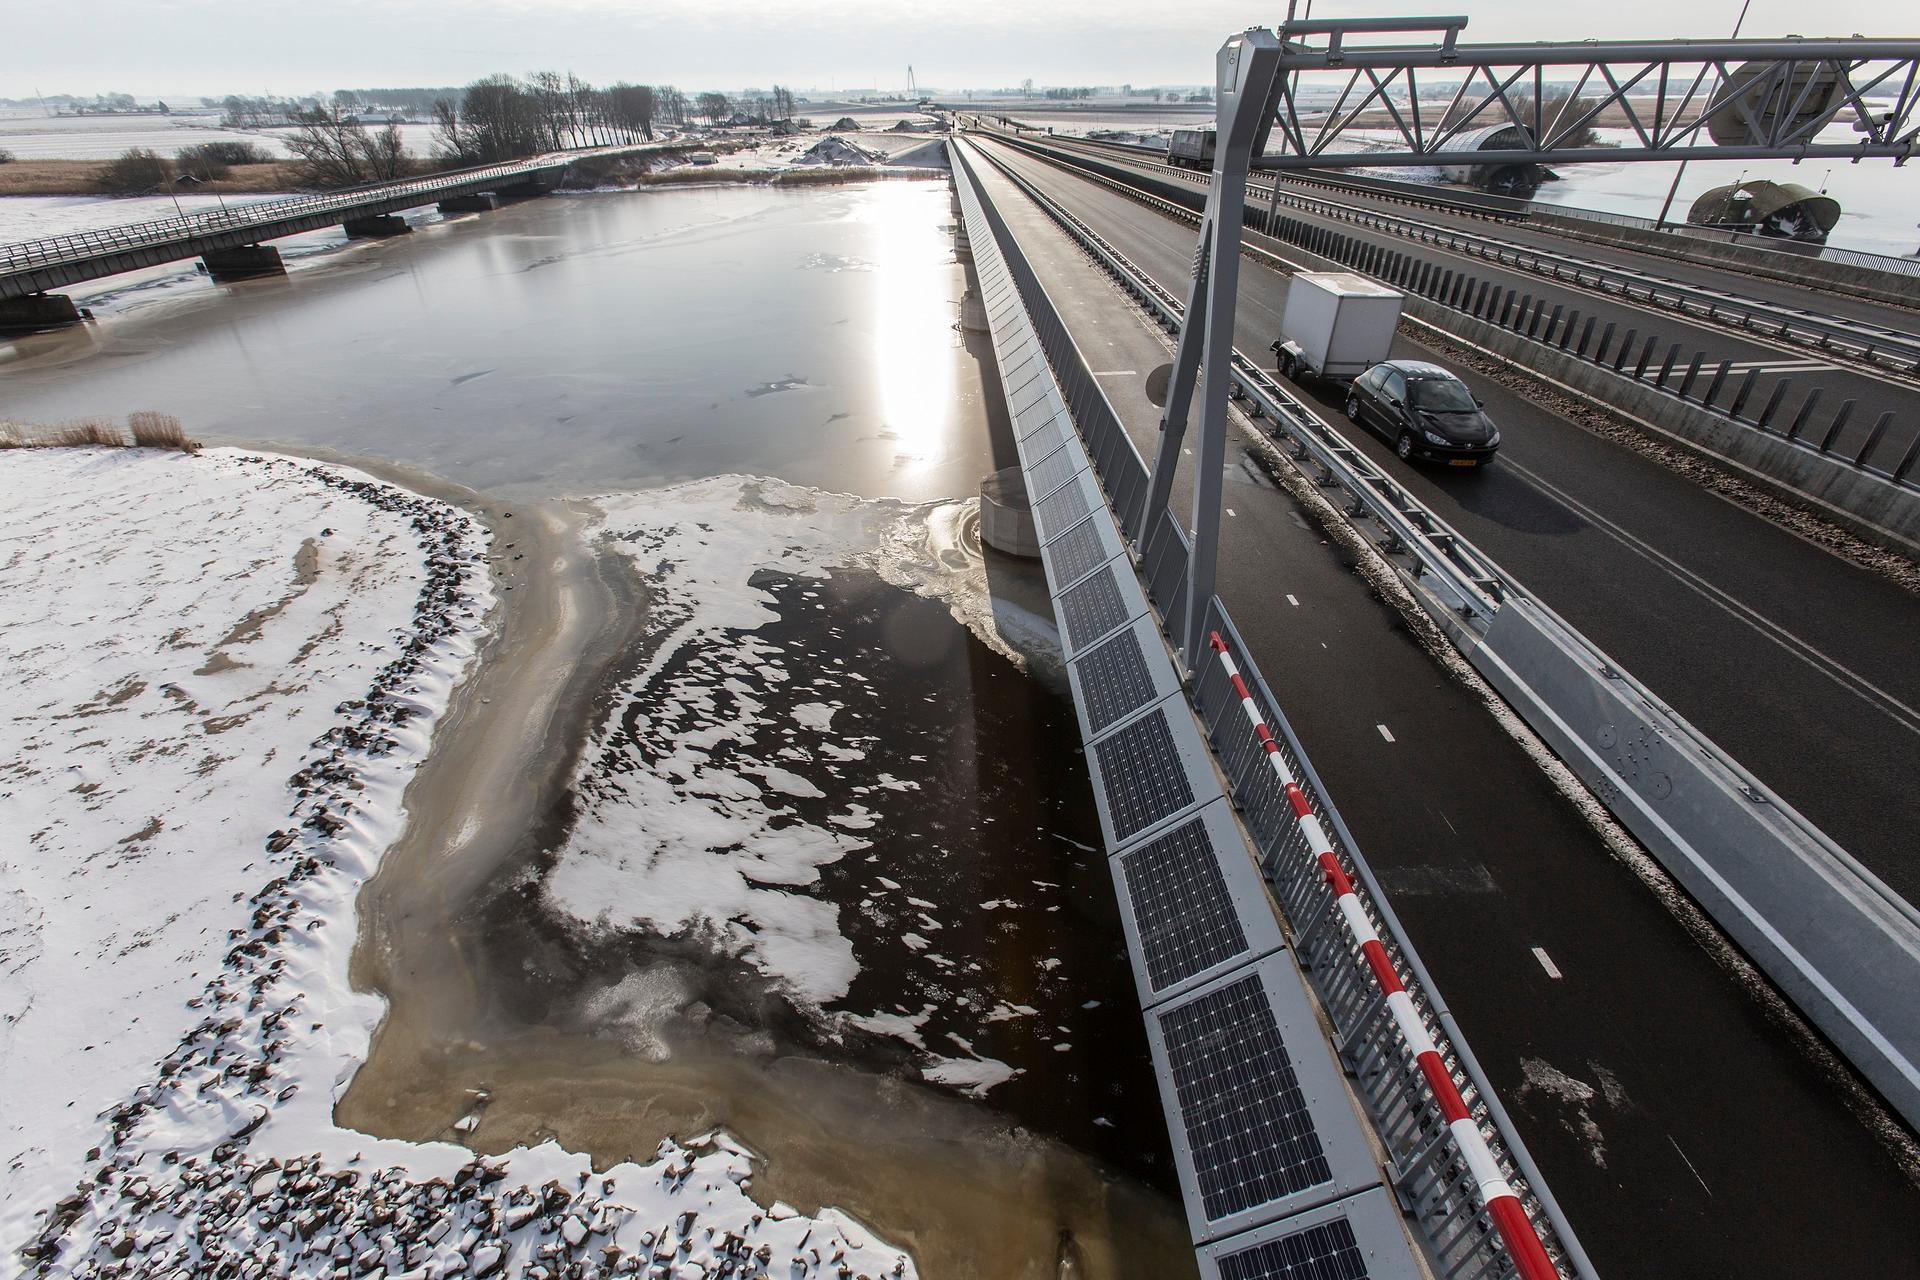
[[1293, 602], [1385, 732], [1546, 962]]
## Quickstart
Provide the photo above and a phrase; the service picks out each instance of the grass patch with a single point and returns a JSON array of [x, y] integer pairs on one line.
[[149, 430]]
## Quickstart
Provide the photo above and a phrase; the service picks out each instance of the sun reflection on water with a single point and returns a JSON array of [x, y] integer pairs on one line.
[[913, 317]]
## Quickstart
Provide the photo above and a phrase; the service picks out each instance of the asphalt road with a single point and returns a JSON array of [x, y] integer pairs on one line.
[[1804, 369], [1796, 662], [1682, 1131]]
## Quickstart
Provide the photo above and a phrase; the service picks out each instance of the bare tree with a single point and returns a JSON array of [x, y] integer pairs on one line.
[[670, 104], [335, 150], [631, 108], [715, 106], [783, 103]]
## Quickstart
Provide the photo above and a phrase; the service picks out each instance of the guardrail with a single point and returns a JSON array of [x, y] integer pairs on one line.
[[1889, 350], [1447, 1159], [1554, 327], [56, 250], [1840, 943]]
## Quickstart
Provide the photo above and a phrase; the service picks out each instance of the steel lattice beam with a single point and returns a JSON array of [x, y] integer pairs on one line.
[[1681, 99]]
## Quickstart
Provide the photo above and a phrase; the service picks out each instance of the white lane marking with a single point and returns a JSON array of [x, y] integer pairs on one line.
[[1690, 1169], [1546, 962], [1385, 732], [1229, 510], [1853, 682], [1775, 366], [1293, 602], [1114, 373]]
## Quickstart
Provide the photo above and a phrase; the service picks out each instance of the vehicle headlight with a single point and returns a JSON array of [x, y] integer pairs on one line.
[[1436, 437]]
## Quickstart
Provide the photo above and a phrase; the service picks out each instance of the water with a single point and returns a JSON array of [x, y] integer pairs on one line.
[[614, 344]]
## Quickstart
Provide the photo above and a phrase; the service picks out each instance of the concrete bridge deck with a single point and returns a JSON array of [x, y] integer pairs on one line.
[[1658, 1097]]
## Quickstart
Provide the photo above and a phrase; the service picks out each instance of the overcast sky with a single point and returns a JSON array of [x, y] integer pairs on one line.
[[294, 46]]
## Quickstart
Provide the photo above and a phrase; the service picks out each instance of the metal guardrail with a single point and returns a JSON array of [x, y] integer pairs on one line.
[[1718, 392], [1887, 350], [1433, 1179], [1841, 944], [1446, 563]]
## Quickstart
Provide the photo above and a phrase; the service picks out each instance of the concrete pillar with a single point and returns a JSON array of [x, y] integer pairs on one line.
[[378, 226], [247, 262], [1006, 516], [973, 312], [962, 247], [37, 311], [480, 203]]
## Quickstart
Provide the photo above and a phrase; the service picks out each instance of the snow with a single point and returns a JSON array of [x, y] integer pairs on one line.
[[652, 848], [179, 629], [976, 1076], [183, 636]]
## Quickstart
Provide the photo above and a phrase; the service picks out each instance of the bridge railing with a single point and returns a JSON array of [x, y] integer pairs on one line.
[[1438, 1181], [49, 250]]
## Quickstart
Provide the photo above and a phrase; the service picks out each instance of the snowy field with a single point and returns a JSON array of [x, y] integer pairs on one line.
[[40, 137], [223, 670]]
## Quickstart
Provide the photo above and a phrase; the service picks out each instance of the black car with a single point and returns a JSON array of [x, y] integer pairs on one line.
[[1426, 411]]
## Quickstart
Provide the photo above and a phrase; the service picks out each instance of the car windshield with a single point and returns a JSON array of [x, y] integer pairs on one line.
[[1442, 395]]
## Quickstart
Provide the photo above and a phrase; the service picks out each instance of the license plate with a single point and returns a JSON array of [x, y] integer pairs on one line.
[[1463, 462]]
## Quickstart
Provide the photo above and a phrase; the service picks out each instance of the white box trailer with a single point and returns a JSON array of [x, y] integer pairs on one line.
[[1336, 325]]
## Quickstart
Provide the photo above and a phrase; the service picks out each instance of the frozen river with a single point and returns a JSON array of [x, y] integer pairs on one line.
[[765, 808]]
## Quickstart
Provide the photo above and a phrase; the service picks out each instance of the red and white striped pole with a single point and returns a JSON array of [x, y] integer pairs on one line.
[[1503, 1205]]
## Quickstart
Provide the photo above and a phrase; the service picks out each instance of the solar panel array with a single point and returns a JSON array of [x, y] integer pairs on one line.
[[1269, 1151]]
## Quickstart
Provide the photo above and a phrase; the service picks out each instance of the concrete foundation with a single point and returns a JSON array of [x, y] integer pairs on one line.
[[973, 312], [381, 225], [247, 262], [962, 247], [37, 311], [1006, 515], [481, 203]]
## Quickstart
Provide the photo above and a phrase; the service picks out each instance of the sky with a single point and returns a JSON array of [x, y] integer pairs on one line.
[[188, 47]]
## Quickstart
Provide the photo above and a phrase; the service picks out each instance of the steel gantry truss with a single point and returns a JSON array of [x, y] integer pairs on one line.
[[1737, 99], [1680, 99]]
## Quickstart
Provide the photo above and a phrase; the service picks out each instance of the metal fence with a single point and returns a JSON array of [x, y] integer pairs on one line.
[[1885, 448], [1647, 360], [1428, 1171]]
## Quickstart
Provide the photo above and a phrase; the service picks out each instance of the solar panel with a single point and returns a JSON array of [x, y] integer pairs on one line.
[[1142, 776], [1080, 550], [1355, 1238], [1091, 609], [1325, 1252], [1181, 906], [1114, 680], [1051, 435], [1026, 397], [1061, 509], [1059, 468], [1038, 415], [1247, 1127]]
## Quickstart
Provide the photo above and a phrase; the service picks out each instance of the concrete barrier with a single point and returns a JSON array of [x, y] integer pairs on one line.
[[1873, 507], [1842, 946], [1742, 256]]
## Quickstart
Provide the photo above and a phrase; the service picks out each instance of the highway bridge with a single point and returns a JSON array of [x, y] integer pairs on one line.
[[233, 240], [1633, 1045]]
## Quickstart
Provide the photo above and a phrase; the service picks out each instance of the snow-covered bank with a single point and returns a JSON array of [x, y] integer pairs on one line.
[[223, 671]]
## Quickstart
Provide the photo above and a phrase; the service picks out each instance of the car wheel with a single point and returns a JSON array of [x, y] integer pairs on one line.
[[1404, 445], [1353, 407]]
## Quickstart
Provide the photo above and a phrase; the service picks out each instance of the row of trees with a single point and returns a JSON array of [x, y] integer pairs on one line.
[[503, 117]]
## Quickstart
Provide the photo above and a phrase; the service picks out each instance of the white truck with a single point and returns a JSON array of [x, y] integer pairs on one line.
[[1336, 325]]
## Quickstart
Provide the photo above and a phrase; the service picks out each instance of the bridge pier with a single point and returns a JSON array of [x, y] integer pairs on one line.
[[37, 311], [245, 262], [478, 203], [378, 226]]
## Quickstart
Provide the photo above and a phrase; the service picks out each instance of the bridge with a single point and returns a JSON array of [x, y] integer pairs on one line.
[[232, 241], [1421, 850]]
